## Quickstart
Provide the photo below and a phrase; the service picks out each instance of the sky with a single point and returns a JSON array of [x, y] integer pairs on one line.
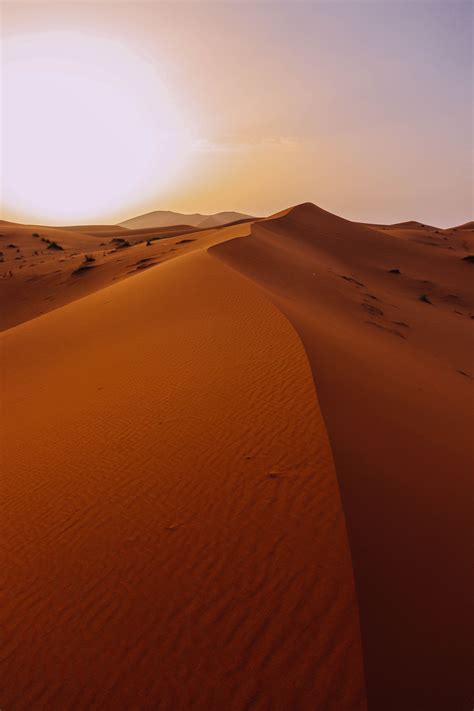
[[110, 110]]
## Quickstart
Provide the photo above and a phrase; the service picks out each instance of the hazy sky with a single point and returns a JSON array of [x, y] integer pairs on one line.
[[112, 109]]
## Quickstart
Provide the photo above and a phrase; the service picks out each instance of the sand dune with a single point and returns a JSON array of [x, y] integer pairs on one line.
[[35, 279], [407, 225], [43, 268], [148, 232], [387, 324], [456, 239], [30, 236], [223, 218], [95, 229], [466, 226], [171, 520]]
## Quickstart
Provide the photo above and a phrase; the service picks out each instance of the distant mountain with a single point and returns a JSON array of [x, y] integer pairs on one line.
[[166, 218]]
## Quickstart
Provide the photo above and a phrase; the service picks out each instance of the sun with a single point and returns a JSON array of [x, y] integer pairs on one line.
[[89, 128]]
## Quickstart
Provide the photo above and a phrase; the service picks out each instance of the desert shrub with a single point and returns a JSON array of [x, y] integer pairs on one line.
[[82, 269]]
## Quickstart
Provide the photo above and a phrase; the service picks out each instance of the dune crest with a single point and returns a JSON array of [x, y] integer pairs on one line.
[[370, 306], [171, 516]]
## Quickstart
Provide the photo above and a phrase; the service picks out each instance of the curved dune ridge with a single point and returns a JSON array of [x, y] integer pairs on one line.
[[385, 315], [171, 520]]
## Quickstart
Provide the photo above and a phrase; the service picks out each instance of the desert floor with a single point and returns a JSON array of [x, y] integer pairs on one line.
[[237, 465]]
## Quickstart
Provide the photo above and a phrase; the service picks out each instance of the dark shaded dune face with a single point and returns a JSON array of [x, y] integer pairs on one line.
[[394, 377]]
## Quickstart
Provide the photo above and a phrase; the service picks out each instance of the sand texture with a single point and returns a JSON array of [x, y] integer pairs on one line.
[[394, 378], [237, 465], [172, 525]]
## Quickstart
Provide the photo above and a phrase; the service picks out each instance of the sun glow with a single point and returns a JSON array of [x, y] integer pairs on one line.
[[88, 128]]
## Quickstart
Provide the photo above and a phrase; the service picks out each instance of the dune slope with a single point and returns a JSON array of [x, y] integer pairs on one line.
[[387, 325], [171, 522], [36, 278]]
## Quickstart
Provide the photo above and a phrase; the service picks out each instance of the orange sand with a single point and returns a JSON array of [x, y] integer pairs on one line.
[[43, 279], [171, 516], [171, 520]]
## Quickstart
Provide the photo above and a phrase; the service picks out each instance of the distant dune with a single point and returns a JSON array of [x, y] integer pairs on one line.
[[237, 465], [93, 229], [407, 225], [223, 218], [165, 218], [466, 226]]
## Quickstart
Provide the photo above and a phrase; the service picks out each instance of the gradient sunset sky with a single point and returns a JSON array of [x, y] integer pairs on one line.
[[113, 109]]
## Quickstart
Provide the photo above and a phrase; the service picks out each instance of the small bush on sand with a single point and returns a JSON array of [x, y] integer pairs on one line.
[[82, 269], [55, 245], [120, 242]]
